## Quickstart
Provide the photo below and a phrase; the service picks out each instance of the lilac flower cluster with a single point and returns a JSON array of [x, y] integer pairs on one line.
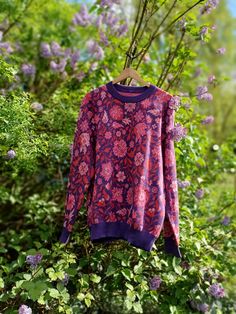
[[33, 260], [183, 184], [225, 221], [65, 280], [209, 6], [221, 51], [201, 307], [155, 282], [94, 49], [5, 47], [178, 132], [203, 94], [109, 3], [174, 102], [217, 291], [211, 78], [82, 18], [11, 154], [28, 69], [24, 309], [199, 193], [208, 120]]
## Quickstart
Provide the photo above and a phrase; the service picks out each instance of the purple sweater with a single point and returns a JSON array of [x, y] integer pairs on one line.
[[123, 158]]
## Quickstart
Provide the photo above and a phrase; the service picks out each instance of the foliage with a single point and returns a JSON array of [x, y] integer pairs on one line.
[[47, 64]]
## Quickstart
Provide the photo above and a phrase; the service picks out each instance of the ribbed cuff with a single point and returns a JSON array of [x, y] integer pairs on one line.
[[65, 234], [171, 247]]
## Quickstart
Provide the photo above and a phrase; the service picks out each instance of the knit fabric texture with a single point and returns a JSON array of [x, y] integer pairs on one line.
[[123, 158]]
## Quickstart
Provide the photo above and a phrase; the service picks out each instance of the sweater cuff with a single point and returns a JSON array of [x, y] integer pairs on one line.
[[171, 247], [65, 234]]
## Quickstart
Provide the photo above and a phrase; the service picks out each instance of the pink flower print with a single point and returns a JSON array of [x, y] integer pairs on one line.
[[83, 168], [99, 181], [84, 125], [120, 176], [149, 119], [116, 112], [151, 212], [84, 141], [173, 185], [103, 95], [140, 130], [120, 148], [105, 118], [117, 194], [111, 218], [138, 159], [146, 103], [71, 202], [139, 116], [129, 197], [130, 107], [122, 211], [108, 135], [118, 133], [116, 125], [140, 196], [131, 144], [126, 121], [106, 171]]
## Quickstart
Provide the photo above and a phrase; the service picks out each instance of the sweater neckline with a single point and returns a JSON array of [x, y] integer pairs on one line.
[[145, 91]]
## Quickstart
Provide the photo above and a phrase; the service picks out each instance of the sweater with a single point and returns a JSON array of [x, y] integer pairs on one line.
[[123, 159]]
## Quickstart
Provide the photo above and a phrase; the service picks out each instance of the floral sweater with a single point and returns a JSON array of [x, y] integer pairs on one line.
[[123, 158]]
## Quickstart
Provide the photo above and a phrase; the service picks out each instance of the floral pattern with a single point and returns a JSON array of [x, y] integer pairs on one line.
[[123, 157]]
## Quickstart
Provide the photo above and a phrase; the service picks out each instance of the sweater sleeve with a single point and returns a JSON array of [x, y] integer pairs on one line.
[[171, 221], [81, 166]]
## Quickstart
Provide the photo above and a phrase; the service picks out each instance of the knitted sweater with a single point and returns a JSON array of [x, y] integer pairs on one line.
[[123, 158]]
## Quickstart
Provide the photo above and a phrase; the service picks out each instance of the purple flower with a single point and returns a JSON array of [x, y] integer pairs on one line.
[[65, 280], [203, 31], [203, 307], [178, 132], [103, 38], [58, 67], [216, 291], [45, 50], [202, 93], [198, 71], [6, 47], [109, 3], [11, 154], [155, 282], [169, 77], [56, 49], [95, 49], [221, 51], [28, 69], [209, 6], [122, 29], [174, 102], [33, 260], [226, 220], [36, 106], [183, 184], [24, 309], [211, 78], [80, 76], [82, 18], [208, 120], [199, 193], [110, 19], [74, 58]]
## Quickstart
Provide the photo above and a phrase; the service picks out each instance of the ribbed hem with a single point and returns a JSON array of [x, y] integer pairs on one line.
[[64, 235], [109, 231], [171, 247]]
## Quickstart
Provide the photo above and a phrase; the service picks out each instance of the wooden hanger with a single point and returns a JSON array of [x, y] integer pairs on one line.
[[129, 72]]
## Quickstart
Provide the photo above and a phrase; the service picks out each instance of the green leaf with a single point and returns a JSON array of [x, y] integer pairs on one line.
[[137, 307], [54, 293], [95, 278], [126, 272]]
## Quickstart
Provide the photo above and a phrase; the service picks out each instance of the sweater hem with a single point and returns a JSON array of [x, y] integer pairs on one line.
[[109, 231]]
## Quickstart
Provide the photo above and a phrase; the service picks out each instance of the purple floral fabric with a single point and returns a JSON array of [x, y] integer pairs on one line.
[[123, 157]]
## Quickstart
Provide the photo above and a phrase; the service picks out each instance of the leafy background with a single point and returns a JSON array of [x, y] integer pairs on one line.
[[51, 54]]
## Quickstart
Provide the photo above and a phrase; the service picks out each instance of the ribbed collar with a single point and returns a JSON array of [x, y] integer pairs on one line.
[[144, 90]]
